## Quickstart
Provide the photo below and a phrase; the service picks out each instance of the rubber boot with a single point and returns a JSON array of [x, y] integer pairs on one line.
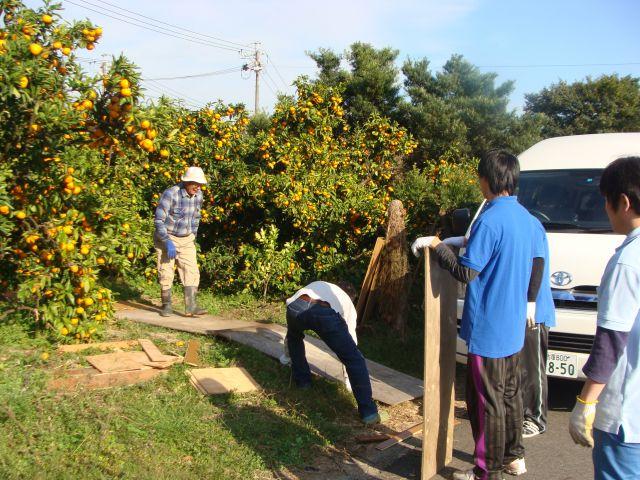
[[166, 303], [191, 307]]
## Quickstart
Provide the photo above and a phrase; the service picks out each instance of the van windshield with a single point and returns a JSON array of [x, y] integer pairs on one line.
[[565, 200]]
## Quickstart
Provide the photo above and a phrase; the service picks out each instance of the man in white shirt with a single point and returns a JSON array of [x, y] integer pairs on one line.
[[328, 310], [606, 414]]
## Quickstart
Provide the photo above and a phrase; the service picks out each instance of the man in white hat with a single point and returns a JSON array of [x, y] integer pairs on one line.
[[176, 220]]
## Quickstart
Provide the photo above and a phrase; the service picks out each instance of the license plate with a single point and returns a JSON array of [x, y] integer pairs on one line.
[[561, 364]]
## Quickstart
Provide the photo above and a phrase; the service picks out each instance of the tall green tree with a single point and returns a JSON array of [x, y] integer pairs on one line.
[[370, 83], [464, 107], [607, 104]]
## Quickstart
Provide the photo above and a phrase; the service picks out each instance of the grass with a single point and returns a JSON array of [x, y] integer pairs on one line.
[[164, 428]]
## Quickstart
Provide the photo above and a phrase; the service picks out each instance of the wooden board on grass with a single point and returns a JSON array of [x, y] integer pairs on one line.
[[224, 380], [119, 361], [191, 357], [100, 346], [154, 353], [97, 380]]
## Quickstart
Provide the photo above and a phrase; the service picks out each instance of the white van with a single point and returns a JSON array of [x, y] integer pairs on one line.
[[559, 179]]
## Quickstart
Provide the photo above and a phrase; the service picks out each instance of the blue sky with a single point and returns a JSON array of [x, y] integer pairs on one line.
[[525, 41]]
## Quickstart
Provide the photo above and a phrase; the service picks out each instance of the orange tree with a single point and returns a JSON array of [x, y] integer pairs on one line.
[[61, 223], [317, 187]]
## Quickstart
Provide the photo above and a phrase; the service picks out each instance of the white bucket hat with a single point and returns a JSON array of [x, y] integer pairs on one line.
[[194, 174]]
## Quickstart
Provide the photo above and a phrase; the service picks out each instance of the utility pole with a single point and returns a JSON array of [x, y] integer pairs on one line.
[[256, 66]]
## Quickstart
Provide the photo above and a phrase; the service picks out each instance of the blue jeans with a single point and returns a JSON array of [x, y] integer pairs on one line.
[[332, 329], [613, 459]]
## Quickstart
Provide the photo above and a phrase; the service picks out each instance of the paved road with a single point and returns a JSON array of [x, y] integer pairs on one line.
[[550, 456]]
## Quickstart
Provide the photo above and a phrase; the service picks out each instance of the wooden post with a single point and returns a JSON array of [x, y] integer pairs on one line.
[[439, 366]]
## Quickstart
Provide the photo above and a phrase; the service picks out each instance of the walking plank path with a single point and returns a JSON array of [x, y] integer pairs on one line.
[[389, 386]]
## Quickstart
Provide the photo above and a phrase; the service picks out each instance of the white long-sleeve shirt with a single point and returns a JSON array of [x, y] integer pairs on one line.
[[336, 298]]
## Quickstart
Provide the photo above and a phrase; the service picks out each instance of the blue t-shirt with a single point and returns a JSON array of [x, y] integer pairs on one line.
[[619, 310], [500, 248], [545, 310]]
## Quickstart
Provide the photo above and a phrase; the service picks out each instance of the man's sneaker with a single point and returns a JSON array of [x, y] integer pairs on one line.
[[375, 418], [464, 475], [530, 429], [517, 467]]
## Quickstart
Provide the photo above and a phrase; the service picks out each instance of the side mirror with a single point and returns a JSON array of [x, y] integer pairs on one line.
[[460, 220]]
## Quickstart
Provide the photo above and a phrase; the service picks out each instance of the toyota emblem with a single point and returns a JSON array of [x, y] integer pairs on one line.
[[561, 279]]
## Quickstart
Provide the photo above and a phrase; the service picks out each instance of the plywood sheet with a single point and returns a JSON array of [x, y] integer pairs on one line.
[[118, 361], [123, 344], [396, 438], [224, 380], [104, 380]]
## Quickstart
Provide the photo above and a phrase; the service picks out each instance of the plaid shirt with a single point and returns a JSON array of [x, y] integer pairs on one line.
[[177, 213]]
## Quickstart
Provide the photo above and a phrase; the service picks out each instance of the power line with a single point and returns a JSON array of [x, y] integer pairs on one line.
[[175, 26], [199, 75], [115, 12], [178, 36], [164, 88], [561, 65], [274, 88], [277, 71]]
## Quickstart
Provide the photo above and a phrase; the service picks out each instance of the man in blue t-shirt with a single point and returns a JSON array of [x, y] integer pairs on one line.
[[503, 281], [533, 358], [605, 416]]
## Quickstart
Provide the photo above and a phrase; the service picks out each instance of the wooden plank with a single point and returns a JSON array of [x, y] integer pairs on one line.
[[396, 438], [371, 297], [224, 380], [118, 361], [153, 352], [439, 366], [191, 357], [104, 380], [206, 324], [369, 438], [368, 278], [100, 346], [389, 386], [195, 383]]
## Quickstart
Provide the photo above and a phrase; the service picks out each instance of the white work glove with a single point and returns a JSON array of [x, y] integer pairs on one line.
[[531, 314], [284, 358], [581, 422], [457, 242], [420, 243]]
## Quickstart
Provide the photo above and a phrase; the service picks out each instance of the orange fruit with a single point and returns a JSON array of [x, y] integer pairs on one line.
[[90, 46], [35, 49], [64, 331], [47, 19], [145, 124], [73, 269], [66, 50], [20, 215], [57, 45], [4, 209], [88, 302], [84, 250], [101, 260], [74, 321], [44, 356], [124, 83], [68, 229], [164, 153], [79, 310], [125, 92], [23, 82]]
